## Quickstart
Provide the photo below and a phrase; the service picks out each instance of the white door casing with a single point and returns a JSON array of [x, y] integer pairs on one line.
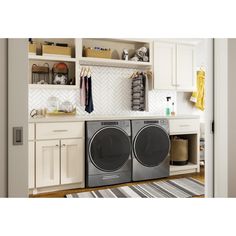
[[209, 117]]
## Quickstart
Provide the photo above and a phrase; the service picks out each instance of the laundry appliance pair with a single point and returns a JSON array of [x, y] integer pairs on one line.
[[120, 151]]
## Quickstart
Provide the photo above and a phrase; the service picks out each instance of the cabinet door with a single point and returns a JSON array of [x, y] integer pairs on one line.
[[31, 165], [72, 161], [47, 163], [185, 68], [164, 65]]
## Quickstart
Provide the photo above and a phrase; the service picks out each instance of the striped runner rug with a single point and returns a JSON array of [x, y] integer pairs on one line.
[[174, 188]]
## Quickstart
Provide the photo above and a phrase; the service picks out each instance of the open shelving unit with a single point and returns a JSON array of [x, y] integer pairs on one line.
[[90, 61], [39, 59], [34, 57], [117, 46], [77, 58], [52, 86], [189, 168]]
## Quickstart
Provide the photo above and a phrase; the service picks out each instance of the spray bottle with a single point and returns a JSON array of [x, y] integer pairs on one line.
[[168, 106]]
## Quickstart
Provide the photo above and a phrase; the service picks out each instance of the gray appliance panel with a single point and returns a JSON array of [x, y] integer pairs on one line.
[[139, 124], [93, 126], [93, 170], [109, 178], [139, 171], [96, 177]]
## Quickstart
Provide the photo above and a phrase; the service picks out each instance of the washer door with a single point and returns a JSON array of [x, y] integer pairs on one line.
[[151, 145], [109, 148]]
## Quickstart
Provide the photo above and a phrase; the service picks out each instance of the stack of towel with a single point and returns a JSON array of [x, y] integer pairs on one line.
[[138, 92]]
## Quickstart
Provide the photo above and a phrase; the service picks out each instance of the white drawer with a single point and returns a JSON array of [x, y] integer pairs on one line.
[[59, 130], [31, 132], [182, 126]]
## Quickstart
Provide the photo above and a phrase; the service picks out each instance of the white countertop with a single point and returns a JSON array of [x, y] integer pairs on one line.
[[106, 117]]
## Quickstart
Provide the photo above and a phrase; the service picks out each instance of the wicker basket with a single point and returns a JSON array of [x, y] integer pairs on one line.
[[179, 151], [56, 50], [88, 52], [32, 48]]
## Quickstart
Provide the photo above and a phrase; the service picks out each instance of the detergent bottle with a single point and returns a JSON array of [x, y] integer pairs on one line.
[[168, 106]]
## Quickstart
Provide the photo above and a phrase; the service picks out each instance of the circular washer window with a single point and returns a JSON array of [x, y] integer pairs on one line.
[[151, 145], [109, 148]]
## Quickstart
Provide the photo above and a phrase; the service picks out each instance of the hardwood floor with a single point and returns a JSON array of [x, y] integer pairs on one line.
[[61, 194]]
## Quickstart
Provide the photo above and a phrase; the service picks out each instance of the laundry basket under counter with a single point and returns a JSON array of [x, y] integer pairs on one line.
[[179, 151]]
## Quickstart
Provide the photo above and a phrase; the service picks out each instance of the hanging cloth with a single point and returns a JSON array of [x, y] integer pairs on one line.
[[82, 89], [198, 97], [89, 98]]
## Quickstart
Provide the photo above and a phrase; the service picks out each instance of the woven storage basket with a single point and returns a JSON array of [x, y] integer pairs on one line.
[[56, 50], [88, 52], [179, 151], [32, 48]]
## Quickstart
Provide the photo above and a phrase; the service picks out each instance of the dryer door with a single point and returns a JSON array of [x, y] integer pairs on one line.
[[109, 148], [151, 145]]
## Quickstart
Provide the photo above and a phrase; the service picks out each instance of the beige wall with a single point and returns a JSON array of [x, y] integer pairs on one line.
[[17, 116], [3, 117]]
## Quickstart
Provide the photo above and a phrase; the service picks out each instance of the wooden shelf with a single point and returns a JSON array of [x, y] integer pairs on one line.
[[52, 86], [189, 168], [50, 58], [91, 61]]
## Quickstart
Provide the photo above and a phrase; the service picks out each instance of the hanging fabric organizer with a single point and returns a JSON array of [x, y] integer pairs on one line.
[[139, 91]]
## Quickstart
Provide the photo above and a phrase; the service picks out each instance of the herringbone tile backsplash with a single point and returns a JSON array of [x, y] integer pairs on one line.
[[111, 94]]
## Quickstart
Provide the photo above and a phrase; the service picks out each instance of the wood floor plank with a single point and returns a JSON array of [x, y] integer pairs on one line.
[[61, 194]]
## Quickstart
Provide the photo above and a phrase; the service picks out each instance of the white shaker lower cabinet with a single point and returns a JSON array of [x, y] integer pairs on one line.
[[56, 156], [72, 164], [31, 164], [47, 163]]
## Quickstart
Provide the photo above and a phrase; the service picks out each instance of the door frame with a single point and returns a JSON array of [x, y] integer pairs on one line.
[[18, 116], [225, 116], [209, 119]]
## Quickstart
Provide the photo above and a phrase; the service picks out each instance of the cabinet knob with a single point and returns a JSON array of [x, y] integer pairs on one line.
[[57, 145], [63, 145]]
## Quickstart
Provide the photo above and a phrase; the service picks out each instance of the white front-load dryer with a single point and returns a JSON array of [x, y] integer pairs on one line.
[[150, 149]]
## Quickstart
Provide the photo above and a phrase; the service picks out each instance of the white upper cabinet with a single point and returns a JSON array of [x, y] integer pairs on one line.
[[174, 66], [185, 67], [164, 65]]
